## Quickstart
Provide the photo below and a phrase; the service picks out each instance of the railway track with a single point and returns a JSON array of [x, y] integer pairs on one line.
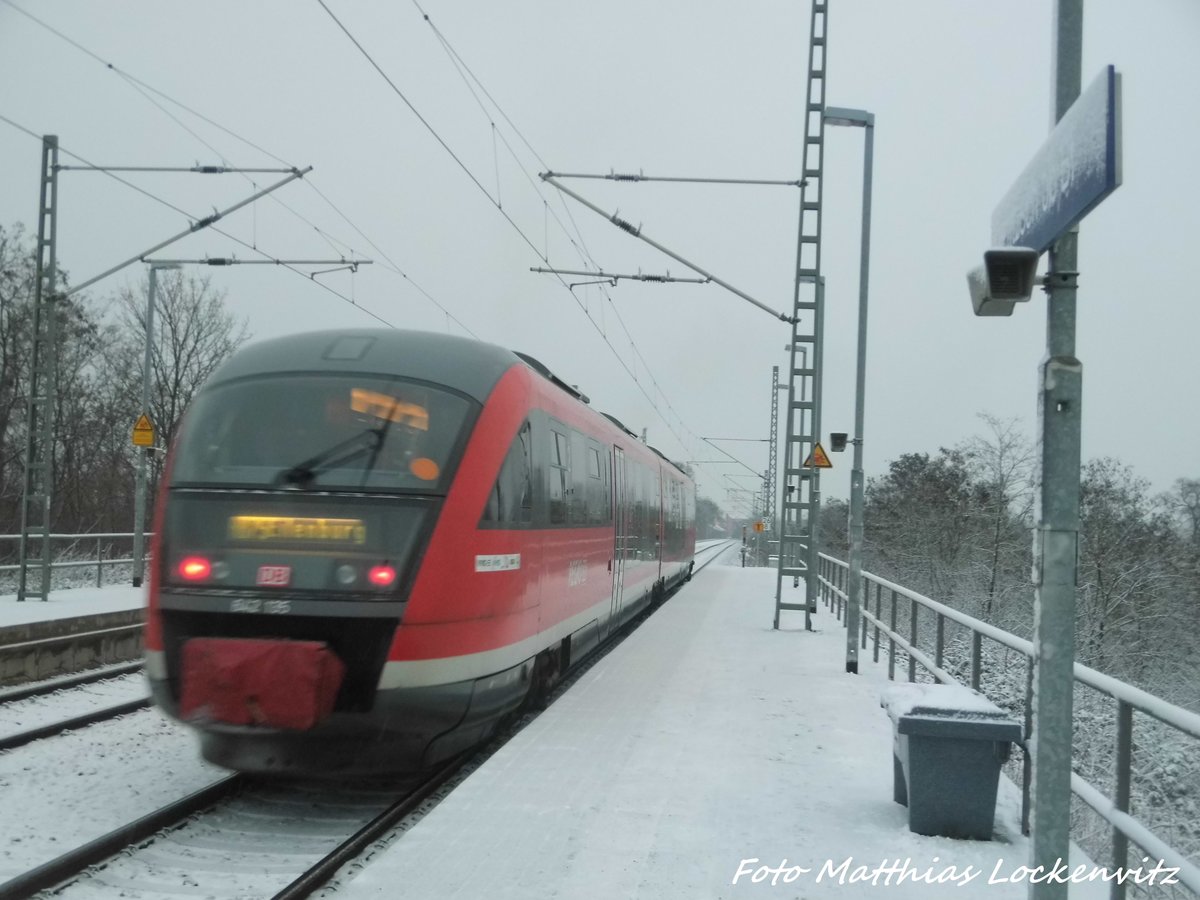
[[19, 705], [239, 837], [243, 837]]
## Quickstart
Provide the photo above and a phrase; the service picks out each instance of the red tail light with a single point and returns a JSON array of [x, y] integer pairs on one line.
[[194, 568], [382, 576]]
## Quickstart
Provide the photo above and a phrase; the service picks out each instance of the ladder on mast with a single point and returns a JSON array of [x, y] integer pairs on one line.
[[772, 459], [800, 506]]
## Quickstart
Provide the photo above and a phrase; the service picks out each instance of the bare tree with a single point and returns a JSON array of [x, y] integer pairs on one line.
[[1001, 466], [1186, 502], [1126, 580], [194, 332], [17, 275], [918, 521]]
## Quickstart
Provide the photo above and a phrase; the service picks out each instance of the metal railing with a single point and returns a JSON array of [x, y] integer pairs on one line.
[[99, 562], [832, 579]]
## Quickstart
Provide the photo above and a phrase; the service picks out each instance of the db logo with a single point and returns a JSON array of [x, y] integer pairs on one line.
[[274, 576]]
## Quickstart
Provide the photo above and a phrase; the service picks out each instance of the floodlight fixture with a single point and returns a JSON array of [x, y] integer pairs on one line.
[[855, 118]]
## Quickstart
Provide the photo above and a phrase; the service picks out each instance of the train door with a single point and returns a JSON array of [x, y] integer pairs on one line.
[[620, 534], [660, 502]]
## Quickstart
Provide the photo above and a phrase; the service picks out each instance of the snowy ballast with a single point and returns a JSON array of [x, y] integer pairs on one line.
[[938, 700]]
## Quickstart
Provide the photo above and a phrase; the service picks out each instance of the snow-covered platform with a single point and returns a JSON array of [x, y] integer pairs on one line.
[[70, 604], [707, 756]]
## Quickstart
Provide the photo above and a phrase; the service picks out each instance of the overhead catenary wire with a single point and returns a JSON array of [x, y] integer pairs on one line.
[[191, 229], [644, 379], [149, 92], [254, 249], [637, 233], [580, 246], [475, 180], [146, 90], [139, 83]]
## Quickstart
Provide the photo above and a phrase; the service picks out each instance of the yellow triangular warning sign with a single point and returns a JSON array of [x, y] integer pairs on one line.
[[143, 432], [818, 459]]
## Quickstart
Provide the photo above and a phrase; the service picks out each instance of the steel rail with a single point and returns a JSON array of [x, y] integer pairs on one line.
[[73, 862], [325, 868], [24, 692], [21, 738]]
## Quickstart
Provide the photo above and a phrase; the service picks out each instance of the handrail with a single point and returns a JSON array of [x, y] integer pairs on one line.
[[1115, 812], [100, 562], [92, 535]]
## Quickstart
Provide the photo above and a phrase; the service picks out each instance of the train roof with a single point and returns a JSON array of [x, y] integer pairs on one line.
[[469, 366], [463, 364]]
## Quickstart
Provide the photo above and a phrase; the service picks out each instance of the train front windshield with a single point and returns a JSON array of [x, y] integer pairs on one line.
[[322, 432]]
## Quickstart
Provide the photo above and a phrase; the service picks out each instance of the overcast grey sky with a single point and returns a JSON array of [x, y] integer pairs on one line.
[[961, 94]]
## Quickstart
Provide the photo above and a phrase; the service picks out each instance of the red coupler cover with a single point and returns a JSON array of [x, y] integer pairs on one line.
[[245, 681]]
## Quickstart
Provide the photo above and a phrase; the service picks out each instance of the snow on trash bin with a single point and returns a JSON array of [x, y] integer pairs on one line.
[[949, 744]]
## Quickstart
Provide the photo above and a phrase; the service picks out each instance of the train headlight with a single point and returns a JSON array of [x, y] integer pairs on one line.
[[195, 568], [346, 575], [382, 576]]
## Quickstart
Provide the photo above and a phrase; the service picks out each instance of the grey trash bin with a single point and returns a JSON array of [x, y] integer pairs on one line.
[[949, 744]]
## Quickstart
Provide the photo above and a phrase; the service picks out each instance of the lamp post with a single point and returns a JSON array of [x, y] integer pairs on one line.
[[857, 118], [139, 502]]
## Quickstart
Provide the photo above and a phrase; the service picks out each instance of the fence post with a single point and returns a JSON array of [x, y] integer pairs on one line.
[[878, 616], [940, 644], [1027, 766], [843, 604], [1120, 843], [976, 658], [866, 605], [892, 642], [912, 639], [99, 566]]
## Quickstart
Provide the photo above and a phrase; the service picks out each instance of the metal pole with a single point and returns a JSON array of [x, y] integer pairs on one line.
[[139, 502], [43, 379], [1056, 539], [854, 604]]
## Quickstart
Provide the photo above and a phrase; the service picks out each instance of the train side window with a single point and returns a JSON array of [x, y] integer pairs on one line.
[[510, 502], [599, 501], [580, 497], [560, 476]]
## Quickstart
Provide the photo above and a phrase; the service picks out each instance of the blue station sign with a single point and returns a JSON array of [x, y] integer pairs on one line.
[[1077, 167]]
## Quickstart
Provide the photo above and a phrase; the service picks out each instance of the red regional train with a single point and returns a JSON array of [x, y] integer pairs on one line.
[[373, 545]]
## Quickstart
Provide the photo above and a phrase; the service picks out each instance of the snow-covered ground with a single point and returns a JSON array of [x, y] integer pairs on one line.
[[61, 792], [65, 604], [707, 756], [35, 712]]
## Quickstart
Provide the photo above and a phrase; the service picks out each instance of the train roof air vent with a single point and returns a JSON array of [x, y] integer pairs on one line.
[[619, 424], [349, 346], [550, 376]]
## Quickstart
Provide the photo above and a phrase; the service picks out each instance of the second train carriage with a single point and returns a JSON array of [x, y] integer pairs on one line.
[[371, 545]]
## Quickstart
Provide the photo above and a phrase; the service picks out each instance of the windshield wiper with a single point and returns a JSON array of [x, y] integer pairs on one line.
[[301, 475], [381, 433]]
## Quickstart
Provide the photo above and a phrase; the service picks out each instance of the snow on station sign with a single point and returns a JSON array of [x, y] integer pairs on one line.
[[1078, 166]]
